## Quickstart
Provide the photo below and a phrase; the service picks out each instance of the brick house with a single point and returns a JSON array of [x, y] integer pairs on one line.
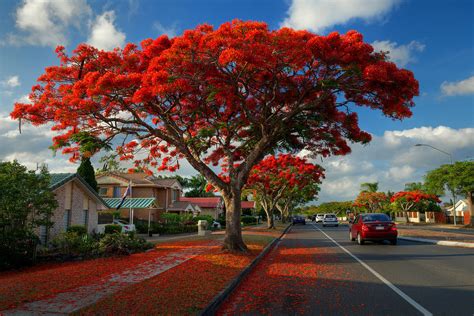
[[78, 204], [166, 192]]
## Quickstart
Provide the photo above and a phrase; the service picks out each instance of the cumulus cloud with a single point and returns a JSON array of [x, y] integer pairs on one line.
[[45, 22], [392, 160], [10, 82], [104, 35], [463, 87], [318, 15], [399, 54]]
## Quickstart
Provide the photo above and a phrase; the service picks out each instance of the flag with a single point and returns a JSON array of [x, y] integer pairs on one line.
[[124, 196]]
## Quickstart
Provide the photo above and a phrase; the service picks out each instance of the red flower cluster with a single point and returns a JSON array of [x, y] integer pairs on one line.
[[414, 196], [370, 200]]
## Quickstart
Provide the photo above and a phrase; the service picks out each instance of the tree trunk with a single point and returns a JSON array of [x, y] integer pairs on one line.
[[233, 238], [407, 217], [269, 213], [470, 202]]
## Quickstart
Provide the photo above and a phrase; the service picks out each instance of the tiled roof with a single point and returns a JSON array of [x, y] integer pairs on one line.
[[213, 201], [130, 202], [59, 179], [180, 205], [142, 178], [163, 182], [208, 202]]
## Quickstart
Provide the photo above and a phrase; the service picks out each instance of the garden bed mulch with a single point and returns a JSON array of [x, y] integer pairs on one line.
[[184, 289], [46, 281]]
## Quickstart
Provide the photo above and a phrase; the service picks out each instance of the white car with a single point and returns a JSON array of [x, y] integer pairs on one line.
[[319, 218], [330, 220], [126, 227]]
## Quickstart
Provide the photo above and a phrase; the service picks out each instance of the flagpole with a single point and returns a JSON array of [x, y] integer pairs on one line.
[[131, 211]]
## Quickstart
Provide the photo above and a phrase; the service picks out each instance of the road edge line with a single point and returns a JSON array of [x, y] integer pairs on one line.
[[402, 294], [447, 243], [216, 302]]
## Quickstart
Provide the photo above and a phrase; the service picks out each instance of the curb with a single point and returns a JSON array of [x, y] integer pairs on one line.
[[440, 242], [212, 307]]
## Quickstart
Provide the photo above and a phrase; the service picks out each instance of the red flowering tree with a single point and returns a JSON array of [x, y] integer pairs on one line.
[[276, 178], [371, 201], [406, 201], [229, 95]]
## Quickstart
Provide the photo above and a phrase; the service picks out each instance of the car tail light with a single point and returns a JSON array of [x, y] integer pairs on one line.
[[394, 227], [126, 227], [365, 228]]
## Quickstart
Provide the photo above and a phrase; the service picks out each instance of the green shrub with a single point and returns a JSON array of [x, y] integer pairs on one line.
[[17, 248], [122, 244], [70, 243], [112, 229], [78, 229], [171, 218], [207, 218], [248, 220]]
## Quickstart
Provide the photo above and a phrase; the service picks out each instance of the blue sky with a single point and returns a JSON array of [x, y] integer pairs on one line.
[[434, 39]]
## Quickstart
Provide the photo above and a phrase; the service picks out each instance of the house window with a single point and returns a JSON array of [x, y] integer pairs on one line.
[[103, 191], [116, 192], [67, 219], [43, 234], [174, 195], [85, 217]]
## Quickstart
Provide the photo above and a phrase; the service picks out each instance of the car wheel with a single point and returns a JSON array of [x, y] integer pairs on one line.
[[324, 225], [360, 241], [351, 238], [393, 241], [337, 225]]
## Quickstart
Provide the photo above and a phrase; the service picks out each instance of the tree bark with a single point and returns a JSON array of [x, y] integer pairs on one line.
[[233, 238], [470, 202]]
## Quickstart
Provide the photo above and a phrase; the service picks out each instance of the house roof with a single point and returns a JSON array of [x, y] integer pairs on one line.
[[135, 203], [213, 201], [59, 179], [181, 205]]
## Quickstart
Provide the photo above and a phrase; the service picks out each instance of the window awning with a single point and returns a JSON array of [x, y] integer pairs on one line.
[[135, 203]]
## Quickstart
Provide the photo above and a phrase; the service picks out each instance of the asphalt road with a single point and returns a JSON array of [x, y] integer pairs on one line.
[[373, 279]]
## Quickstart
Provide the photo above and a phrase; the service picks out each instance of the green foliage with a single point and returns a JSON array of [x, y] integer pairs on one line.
[[112, 229], [369, 187], [197, 186], [71, 244], [248, 220], [78, 229], [172, 218], [207, 218], [86, 171], [26, 202], [110, 164], [457, 178], [336, 207], [414, 186]]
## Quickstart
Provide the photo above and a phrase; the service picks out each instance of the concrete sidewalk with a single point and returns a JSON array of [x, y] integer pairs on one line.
[[449, 237]]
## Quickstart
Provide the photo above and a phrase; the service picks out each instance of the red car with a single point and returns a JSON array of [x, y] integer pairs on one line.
[[373, 227]]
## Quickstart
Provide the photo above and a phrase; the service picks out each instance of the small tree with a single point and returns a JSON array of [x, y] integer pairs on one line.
[[369, 187], [230, 95], [197, 185], [372, 201], [276, 178], [26, 202], [86, 171], [406, 201], [457, 179]]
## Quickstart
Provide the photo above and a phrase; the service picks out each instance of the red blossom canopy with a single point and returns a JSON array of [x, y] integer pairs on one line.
[[414, 196]]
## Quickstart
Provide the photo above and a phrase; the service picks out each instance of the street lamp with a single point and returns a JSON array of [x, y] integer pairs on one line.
[[451, 161]]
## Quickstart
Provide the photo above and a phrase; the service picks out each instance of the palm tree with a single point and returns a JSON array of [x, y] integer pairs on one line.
[[369, 187]]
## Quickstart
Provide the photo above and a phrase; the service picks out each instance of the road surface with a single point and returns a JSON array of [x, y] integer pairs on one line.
[[373, 279]]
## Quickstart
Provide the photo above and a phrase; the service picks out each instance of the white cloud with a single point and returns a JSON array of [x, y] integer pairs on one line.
[[463, 87], [45, 22], [399, 54], [104, 35], [11, 82], [392, 160], [318, 15], [171, 31]]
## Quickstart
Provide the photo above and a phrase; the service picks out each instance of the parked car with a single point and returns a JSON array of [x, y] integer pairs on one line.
[[298, 220], [330, 220], [319, 218], [373, 227], [126, 227]]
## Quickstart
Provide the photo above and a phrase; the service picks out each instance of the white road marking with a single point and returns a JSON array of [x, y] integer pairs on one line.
[[411, 301]]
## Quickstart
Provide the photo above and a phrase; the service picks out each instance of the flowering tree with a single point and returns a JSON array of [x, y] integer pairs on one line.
[[276, 178], [229, 95], [406, 201], [371, 201]]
